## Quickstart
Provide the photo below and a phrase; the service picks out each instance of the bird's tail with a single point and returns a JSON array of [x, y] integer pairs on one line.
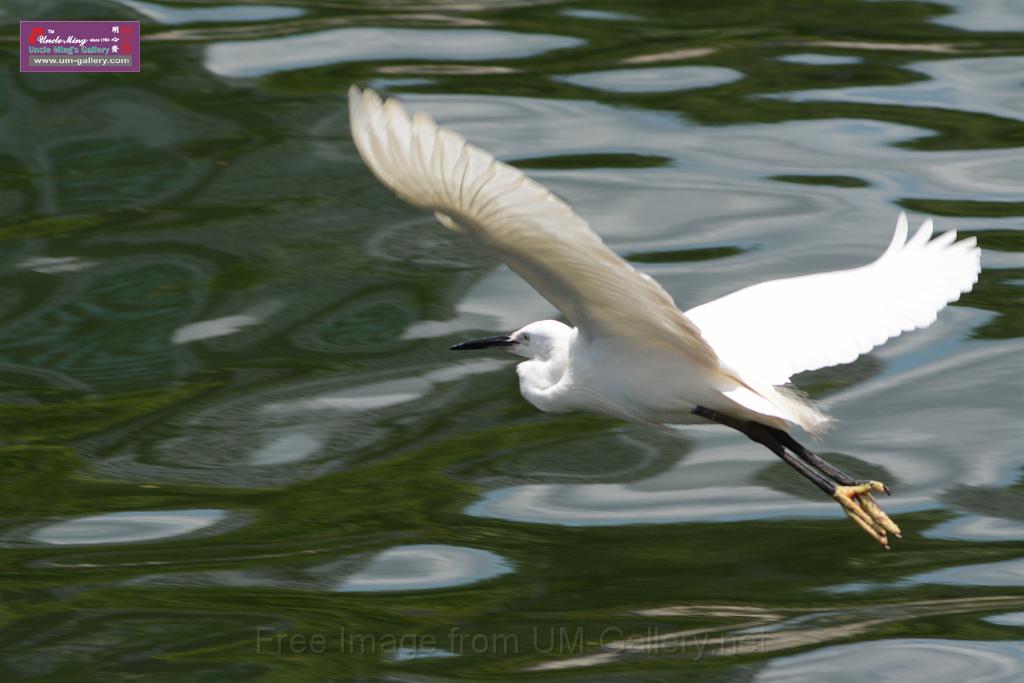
[[778, 403]]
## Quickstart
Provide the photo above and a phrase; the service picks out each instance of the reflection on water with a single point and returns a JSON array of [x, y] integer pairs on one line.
[[52, 265], [654, 79], [598, 15], [210, 312], [743, 631], [816, 59], [1010, 619], [500, 300], [1007, 573], [990, 15], [938, 660], [168, 14], [259, 57], [988, 86], [979, 528], [289, 447], [423, 567], [218, 327], [127, 527], [383, 394]]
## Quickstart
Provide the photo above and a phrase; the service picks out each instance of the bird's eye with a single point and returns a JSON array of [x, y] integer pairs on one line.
[[526, 338]]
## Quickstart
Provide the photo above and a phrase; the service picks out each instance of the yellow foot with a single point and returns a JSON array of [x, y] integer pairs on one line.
[[860, 506]]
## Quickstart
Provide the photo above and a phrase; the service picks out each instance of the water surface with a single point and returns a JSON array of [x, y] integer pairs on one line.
[[236, 446]]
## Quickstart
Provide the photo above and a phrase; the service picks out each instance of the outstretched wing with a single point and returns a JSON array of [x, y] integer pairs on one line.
[[773, 330], [521, 222]]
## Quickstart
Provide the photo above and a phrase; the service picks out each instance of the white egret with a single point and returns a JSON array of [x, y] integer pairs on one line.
[[630, 352]]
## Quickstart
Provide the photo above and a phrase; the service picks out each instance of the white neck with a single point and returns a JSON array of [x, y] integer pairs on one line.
[[540, 376]]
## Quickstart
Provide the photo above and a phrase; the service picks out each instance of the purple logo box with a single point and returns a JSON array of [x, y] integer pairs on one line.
[[79, 46]]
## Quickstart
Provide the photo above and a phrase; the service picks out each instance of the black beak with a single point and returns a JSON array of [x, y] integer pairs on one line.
[[485, 343]]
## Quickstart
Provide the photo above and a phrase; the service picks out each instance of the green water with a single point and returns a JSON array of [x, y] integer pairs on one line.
[[235, 446]]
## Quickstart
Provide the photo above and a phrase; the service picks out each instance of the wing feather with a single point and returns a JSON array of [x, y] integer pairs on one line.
[[771, 331], [521, 222]]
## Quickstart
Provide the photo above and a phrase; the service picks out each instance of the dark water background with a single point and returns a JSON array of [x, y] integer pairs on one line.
[[229, 415]]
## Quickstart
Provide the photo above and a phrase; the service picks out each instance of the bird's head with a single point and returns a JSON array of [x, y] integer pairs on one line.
[[536, 340]]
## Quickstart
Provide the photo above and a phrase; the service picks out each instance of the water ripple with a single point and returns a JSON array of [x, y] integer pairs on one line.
[[127, 527], [424, 567], [217, 14], [250, 58], [654, 79], [817, 59], [936, 660], [988, 85]]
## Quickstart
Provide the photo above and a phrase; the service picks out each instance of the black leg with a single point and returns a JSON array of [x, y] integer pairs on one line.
[[853, 496], [766, 436], [812, 458]]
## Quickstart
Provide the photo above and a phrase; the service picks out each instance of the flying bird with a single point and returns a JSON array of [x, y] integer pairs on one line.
[[628, 351]]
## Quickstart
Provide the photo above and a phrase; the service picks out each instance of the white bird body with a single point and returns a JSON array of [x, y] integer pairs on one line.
[[581, 374], [630, 352]]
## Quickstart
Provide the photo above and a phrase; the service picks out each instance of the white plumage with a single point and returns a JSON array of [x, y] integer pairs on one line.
[[632, 353], [534, 232], [814, 321], [760, 336]]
